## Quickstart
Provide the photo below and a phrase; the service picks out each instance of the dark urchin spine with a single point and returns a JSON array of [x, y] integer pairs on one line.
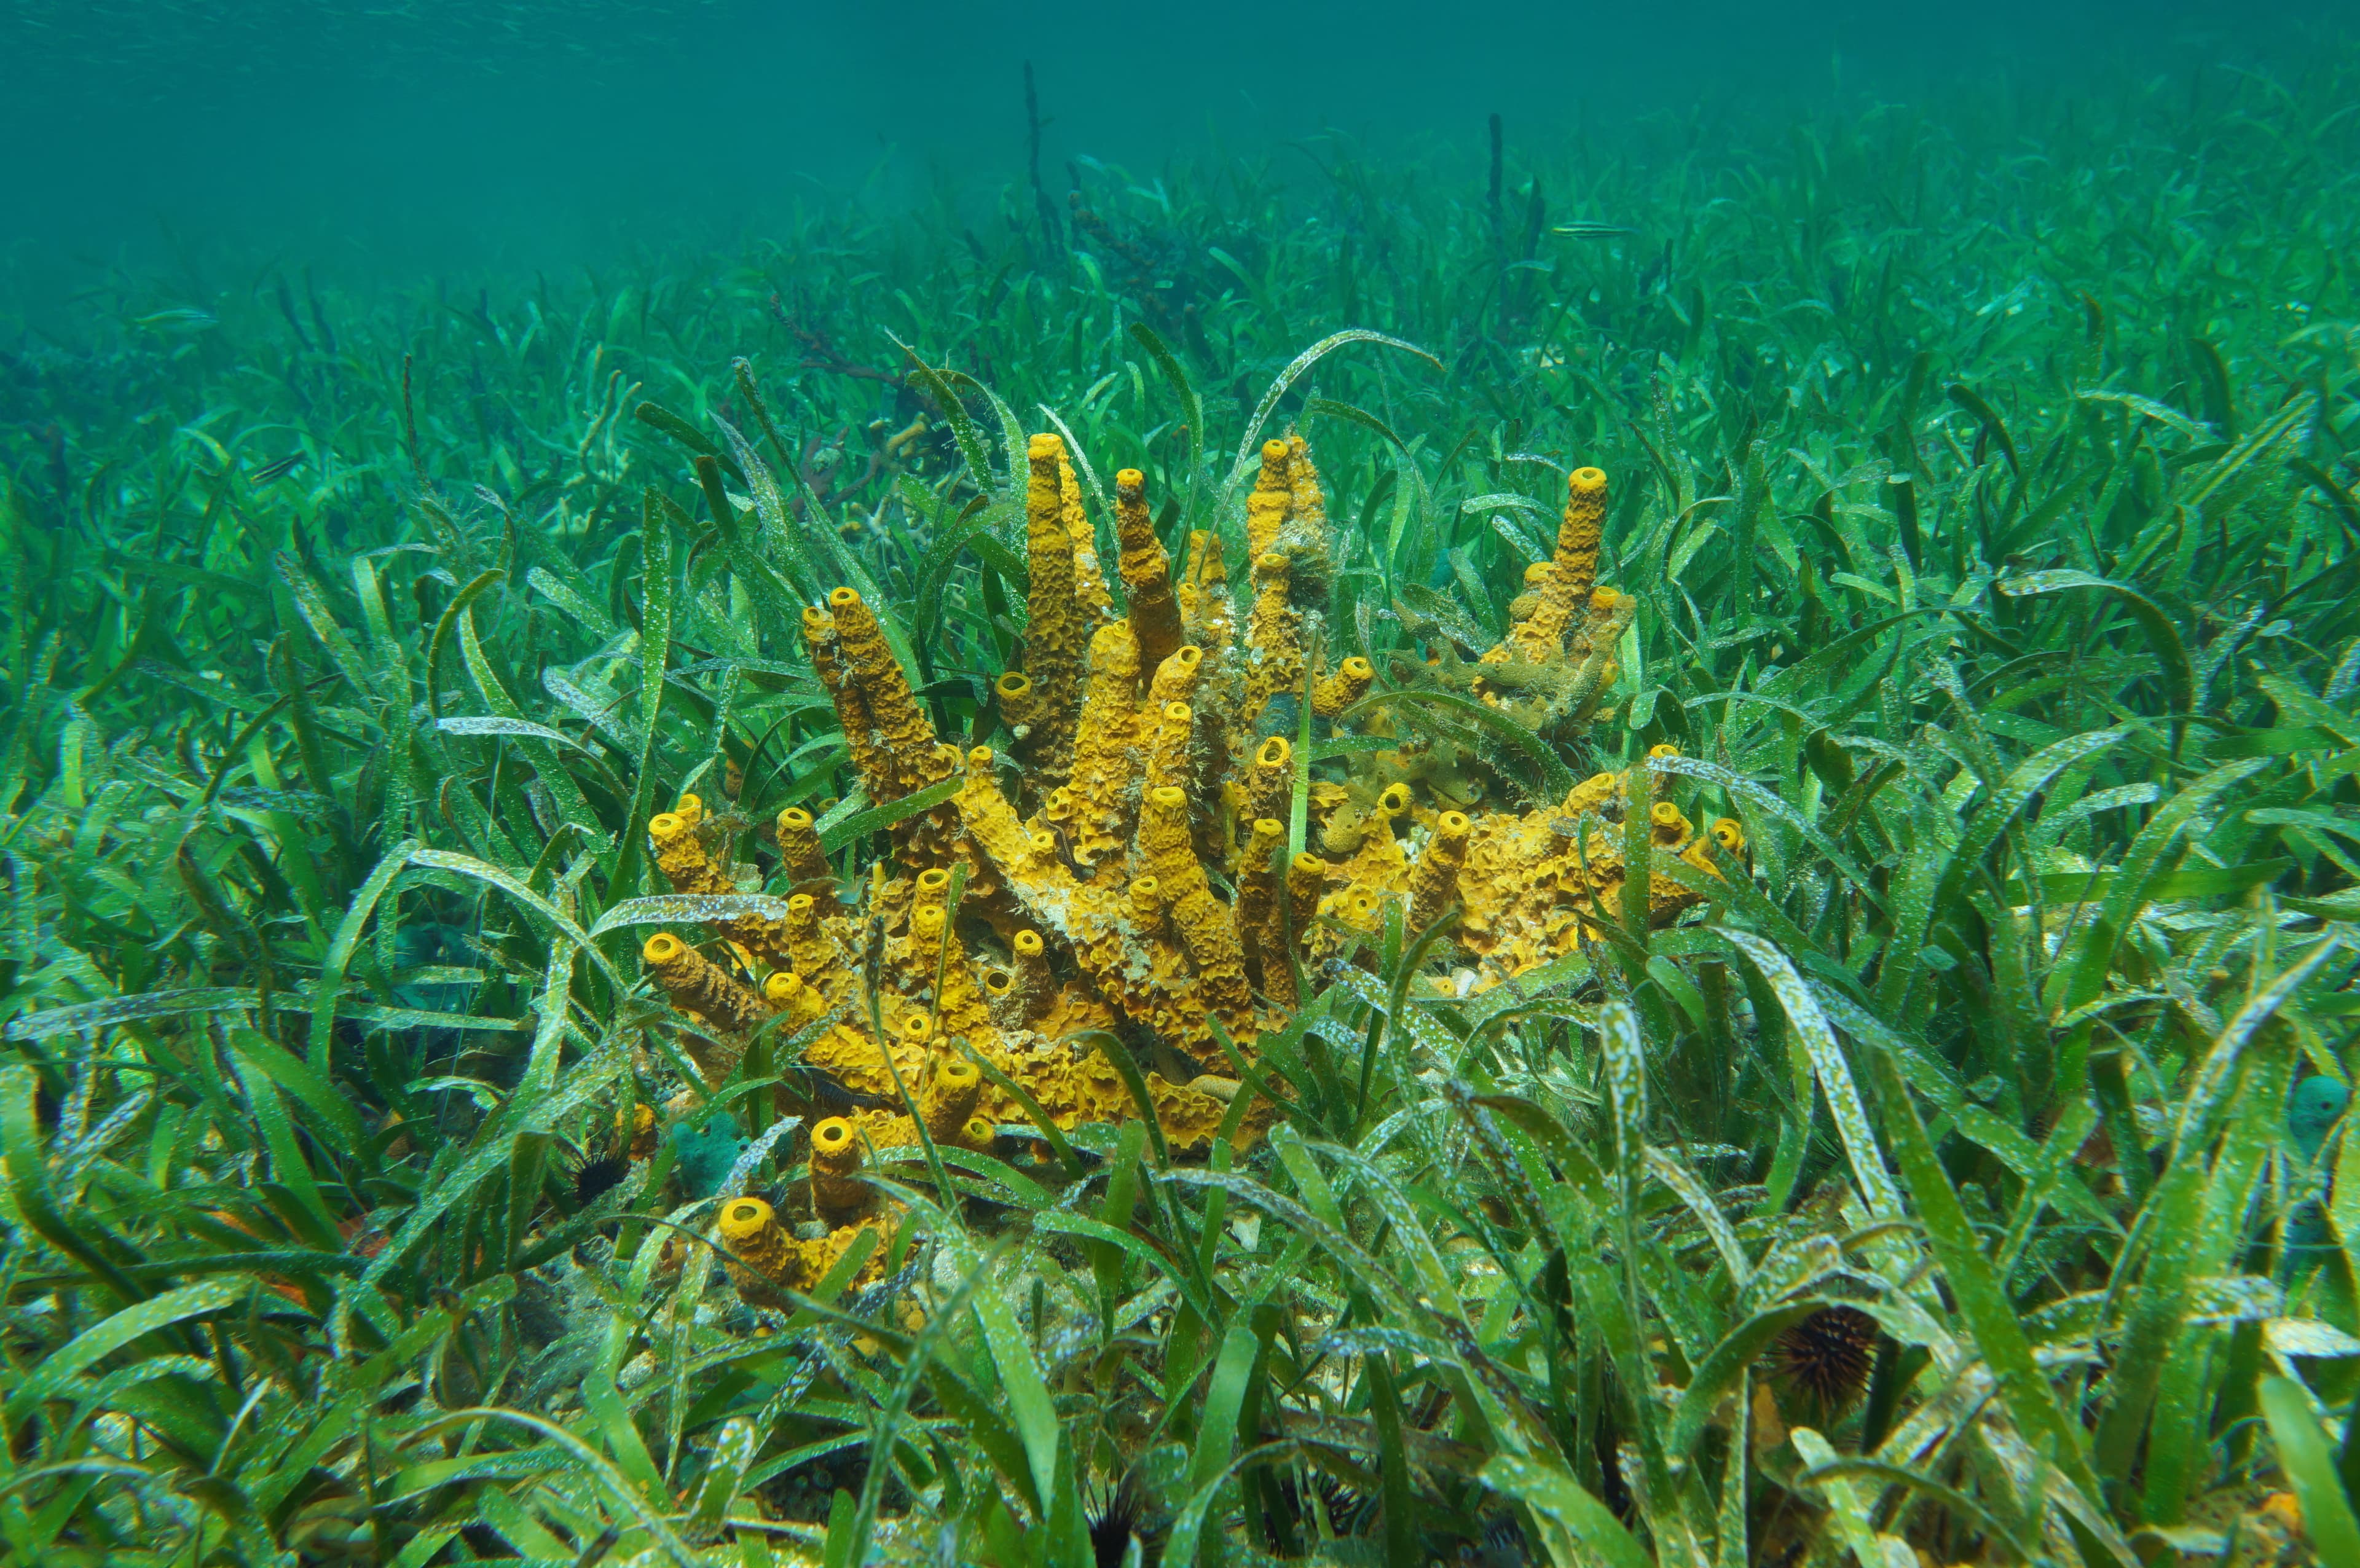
[[594, 1178], [1120, 1514], [1828, 1356]]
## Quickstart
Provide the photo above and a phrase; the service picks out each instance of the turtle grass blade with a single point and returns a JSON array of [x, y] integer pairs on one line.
[[1351, 413], [1994, 818], [2163, 637], [836, 835], [57, 1373], [781, 540], [2179, 1244], [689, 909], [579, 1087], [468, 865], [978, 522], [656, 417], [1967, 397], [2304, 1448], [2081, 975], [1192, 408], [1295, 370], [1770, 804], [1585, 1527], [970, 440], [1983, 1300], [1043, 1122]]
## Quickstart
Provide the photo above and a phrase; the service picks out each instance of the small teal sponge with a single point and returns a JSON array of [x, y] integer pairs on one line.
[[706, 1153]]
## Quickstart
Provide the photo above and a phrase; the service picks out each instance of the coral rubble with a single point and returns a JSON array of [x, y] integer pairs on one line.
[[1120, 880]]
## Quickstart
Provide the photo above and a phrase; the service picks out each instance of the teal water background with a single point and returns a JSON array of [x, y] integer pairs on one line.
[[401, 135]]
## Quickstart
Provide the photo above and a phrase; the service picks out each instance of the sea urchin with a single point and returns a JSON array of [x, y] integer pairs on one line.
[[1827, 1356]]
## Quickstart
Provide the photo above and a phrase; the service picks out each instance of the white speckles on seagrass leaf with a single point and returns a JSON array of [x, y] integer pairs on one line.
[[1828, 1062], [690, 909]]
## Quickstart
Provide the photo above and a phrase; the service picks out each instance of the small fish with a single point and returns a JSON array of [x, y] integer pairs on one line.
[[2313, 1110], [279, 469], [180, 319], [2314, 1107], [1588, 231]]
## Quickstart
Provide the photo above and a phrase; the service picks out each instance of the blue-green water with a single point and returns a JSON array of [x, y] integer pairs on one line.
[[540, 133]]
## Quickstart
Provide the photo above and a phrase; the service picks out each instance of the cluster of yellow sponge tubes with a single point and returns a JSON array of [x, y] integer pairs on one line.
[[1121, 868]]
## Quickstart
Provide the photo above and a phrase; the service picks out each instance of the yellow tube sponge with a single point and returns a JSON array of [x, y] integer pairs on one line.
[[1434, 881], [699, 988], [1363, 840], [870, 661], [1166, 851], [1578, 532], [1556, 664], [1018, 705], [1105, 748], [1258, 886], [1175, 678], [1203, 925], [800, 855], [837, 1191], [1033, 987], [913, 757], [1270, 782], [1168, 759], [1307, 884], [642, 1144], [1348, 683], [1662, 777], [1611, 614], [1725, 835], [1146, 572], [999, 995], [763, 1259], [1025, 860], [814, 1260], [1203, 593], [1130, 874], [681, 856], [1191, 1117], [1272, 497], [1306, 534], [938, 949], [1273, 636], [1147, 905], [1590, 796], [852, 716], [1536, 886], [949, 1098], [1089, 579], [812, 949], [787, 994], [1057, 629], [1565, 595]]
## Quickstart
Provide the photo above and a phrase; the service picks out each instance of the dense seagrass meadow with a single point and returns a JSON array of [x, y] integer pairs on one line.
[[1652, 861]]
